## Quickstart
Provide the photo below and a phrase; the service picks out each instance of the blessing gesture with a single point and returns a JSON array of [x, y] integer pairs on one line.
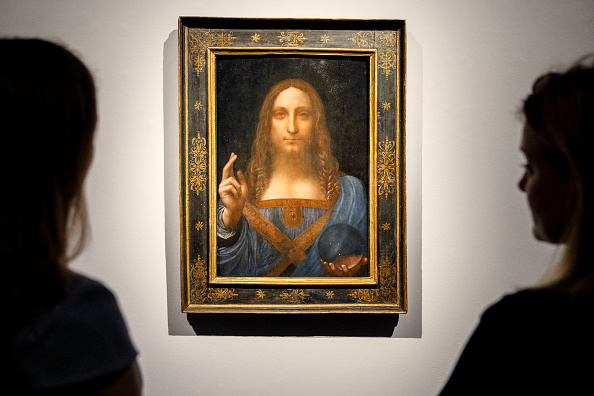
[[233, 193]]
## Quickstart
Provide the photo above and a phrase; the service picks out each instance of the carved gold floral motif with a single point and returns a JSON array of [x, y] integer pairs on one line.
[[388, 281], [200, 291], [387, 290], [201, 39], [386, 45], [364, 295], [387, 53], [291, 38], [294, 296], [386, 167], [197, 164], [363, 39]]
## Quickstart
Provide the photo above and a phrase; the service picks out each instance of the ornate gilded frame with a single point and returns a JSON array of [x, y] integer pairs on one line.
[[203, 44]]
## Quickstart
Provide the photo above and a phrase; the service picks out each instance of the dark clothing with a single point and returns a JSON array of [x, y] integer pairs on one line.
[[535, 342], [83, 338]]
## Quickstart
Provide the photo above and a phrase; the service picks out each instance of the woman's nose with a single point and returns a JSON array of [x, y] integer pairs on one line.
[[522, 183]]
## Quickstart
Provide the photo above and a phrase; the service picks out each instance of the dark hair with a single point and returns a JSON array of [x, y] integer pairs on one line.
[[560, 110], [258, 171], [48, 114]]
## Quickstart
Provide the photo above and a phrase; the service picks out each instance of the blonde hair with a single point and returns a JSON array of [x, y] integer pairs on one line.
[[324, 163]]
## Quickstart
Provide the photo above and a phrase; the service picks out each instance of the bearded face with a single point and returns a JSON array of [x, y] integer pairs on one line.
[[291, 124]]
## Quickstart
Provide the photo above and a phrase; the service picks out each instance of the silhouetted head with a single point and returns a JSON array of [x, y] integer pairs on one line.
[[559, 119], [48, 114]]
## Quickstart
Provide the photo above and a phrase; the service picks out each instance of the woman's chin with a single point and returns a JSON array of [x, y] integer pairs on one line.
[[549, 237]]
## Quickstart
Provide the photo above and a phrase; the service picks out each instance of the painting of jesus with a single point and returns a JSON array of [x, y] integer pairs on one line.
[[292, 212], [292, 165]]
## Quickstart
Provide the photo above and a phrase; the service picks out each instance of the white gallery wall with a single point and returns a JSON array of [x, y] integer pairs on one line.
[[470, 62]]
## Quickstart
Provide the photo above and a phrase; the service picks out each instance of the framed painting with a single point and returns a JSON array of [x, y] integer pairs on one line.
[[292, 165]]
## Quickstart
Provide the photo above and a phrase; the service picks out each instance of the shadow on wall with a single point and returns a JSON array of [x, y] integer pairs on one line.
[[338, 325]]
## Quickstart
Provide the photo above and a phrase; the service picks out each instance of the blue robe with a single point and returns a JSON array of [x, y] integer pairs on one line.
[[253, 255]]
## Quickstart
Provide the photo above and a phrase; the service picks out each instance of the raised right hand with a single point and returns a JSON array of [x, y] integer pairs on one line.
[[233, 193]]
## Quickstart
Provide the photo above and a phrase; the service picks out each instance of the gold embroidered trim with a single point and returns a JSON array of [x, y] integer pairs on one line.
[[293, 250], [284, 202]]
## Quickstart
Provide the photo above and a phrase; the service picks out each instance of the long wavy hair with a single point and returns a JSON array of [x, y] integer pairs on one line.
[[560, 110], [48, 114], [323, 162]]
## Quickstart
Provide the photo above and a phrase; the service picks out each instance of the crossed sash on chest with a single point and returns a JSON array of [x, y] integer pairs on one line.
[[293, 251]]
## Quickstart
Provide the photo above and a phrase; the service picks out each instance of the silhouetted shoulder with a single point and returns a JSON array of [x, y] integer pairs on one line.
[[531, 342], [82, 338]]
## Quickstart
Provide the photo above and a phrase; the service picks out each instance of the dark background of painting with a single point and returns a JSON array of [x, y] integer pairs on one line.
[[342, 82]]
